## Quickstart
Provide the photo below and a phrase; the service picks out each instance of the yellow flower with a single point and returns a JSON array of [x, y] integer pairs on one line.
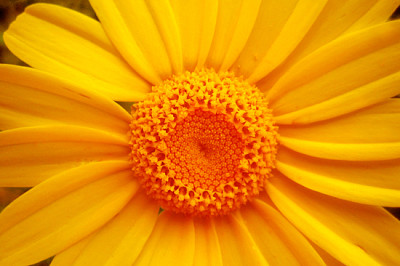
[[265, 130]]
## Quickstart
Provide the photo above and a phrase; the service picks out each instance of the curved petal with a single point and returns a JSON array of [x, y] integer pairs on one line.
[[336, 19], [354, 234], [344, 151], [339, 18], [234, 23], [276, 238], [245, 20], [378, 123], [371, 94], [196, 21], [279, 28], [237, 245], [370, 134], [328, 259], [62, 210], [30, 155], [31, 98], [120, 241], [380, 12], [164, 17], [137, 29], [207, 248], [357, 66], [75, 47], [174, 231], [373, 183], [68, 256]]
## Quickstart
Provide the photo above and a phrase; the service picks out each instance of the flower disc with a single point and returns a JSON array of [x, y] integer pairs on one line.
[[203, 143]]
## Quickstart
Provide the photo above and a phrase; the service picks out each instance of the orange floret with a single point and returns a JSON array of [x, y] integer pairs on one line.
[[203, 143]]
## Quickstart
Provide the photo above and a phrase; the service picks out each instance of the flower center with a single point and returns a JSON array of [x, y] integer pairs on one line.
[[203, 143]]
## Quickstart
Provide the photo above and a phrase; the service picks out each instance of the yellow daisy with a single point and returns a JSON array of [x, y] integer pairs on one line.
[[265, 130]]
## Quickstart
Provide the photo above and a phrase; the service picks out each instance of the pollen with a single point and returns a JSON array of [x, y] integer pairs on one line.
[[203, 143]]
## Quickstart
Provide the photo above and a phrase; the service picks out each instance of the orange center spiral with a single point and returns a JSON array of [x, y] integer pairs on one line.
[[203, 143]]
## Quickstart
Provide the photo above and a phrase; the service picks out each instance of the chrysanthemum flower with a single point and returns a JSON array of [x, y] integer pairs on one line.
[[262, 133]]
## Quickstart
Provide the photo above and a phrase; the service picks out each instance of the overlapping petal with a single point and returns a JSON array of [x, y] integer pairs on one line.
[[355, 234], [357, 66], [196, 22], [234, 24], [338, 75], [145, 33], [279, 28], [370, 134], [30, 98], [62, 210], [75, 47], [165, 20], [207, 247], [380, 11], [32, 154], [68, 256], [237, 245], [336, 19], [328, 259], [376, 124], [373, 183], [120, 241], [174, 231], [273, 235]]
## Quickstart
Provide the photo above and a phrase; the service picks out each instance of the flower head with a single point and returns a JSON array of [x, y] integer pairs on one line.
[[203, 143], [266, 131]]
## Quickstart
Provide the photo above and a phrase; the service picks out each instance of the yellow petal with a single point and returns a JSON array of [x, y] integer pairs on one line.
[[164, 17], [74, 47], [332, 80], [121, 240], [68, 256], [372, 93], [134, 28], [207, 248], [277, 239], [235, 20], [244, 25], [237, 245], [340, 17], [370, 134], [278, 30], [336, 19], [30, 155], [171, 242], [378, 13], [62, 210], [354, 234], [196, 21], [378, 123], [30, 98], [328, 259], [344, 151], [373, 183]]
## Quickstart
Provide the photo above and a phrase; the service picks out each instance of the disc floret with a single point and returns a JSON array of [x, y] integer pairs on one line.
[[203, 143]]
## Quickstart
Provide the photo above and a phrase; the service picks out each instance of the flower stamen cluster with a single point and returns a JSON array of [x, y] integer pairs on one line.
[[203, 143]]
